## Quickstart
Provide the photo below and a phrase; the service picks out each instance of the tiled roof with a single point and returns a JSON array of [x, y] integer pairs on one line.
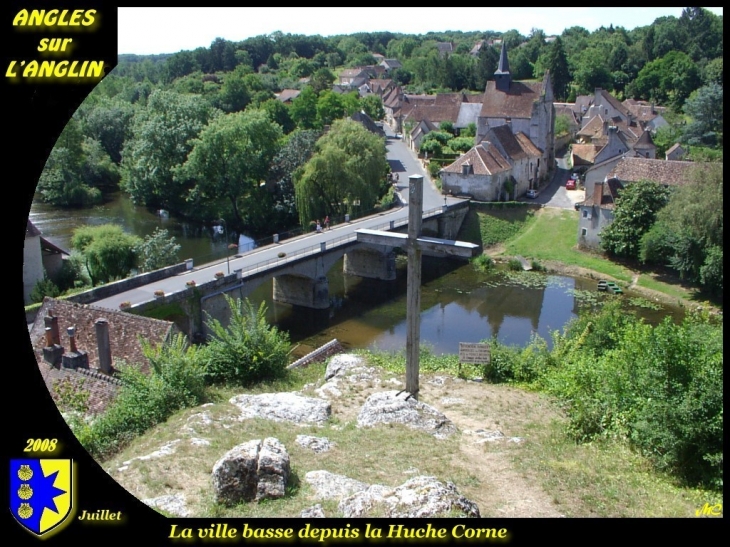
[[51, 247], [610, 99], [379, 85], [583, 103], [645, 142], [676, 146], [392, 63], [666, 172], [604, 195], [31, 230], [468, 113], [516, 103], [585, 154], [288, 95], [516, 147], [422, 126], [435, 113], [593, 129], [125, 334], [484, 158]]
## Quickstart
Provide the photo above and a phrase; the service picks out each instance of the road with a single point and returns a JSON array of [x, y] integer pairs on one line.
[[402, 160], [554, 193]]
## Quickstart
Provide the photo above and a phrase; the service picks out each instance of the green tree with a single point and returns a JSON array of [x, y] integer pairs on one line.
[[157, 251], [705, 107], [109, 253], [372, 105], [635, 211], [248, 350], [162, 138], [688, 233], [349, 164], [234, 95], [303, 109], [109, 122], [230, 160], [486, 66], [554, 59]]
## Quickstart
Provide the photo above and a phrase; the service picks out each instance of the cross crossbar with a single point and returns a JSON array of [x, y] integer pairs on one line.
[[446, 247]]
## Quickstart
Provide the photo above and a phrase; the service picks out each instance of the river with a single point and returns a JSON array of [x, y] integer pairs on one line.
[[458, 303]]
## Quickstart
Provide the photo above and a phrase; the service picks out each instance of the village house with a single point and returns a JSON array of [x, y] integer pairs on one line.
[[675, 152], [288, 95], [500, 168], [353, 78], [445, 48], [81, 347], [41, 258], [596, 212], [390, 64]]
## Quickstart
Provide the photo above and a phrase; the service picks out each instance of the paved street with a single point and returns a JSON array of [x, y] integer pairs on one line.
[[554, 193]]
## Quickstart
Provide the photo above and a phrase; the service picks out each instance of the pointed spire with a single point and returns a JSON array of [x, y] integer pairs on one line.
[[503, 67], [502, 77]]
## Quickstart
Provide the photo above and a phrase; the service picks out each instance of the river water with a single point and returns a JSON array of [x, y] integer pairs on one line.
[[458, 303]]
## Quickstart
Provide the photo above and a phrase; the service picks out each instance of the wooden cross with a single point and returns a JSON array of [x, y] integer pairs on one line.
[[415, 245]]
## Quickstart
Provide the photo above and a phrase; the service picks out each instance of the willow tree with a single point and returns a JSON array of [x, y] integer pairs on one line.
[[347, 168]]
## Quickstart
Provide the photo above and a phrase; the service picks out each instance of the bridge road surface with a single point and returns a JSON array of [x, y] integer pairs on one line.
[[402, 160]]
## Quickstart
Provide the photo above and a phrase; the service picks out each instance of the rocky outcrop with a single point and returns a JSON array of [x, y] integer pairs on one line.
[[420, 497], [394, 407], [283, 407], [340, 364], [328, 485], [314, 512], [254, 470], [172, 503], [316, 444]]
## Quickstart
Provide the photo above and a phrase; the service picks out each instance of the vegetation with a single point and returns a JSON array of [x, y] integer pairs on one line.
[[347, 167], [157, 251], [249, 350], [108, 252], [688, 233], [489, 225], [634, 214], [175, 381]]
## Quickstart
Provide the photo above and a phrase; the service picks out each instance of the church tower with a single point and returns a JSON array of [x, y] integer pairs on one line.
[[502, 77]]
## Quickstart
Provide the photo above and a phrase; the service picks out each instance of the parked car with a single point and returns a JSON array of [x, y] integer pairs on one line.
[[532, 194], [570, 185]]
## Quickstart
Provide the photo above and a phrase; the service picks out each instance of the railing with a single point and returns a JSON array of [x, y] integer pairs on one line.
[[328, 245]]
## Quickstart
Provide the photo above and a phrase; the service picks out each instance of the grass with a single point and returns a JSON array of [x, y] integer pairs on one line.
[[649, 282], [601, 479], [553, 236], [490, 226]]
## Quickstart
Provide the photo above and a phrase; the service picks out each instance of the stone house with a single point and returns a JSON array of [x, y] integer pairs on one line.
[[444, 48], [526, 107], [353, 77], [675, 152], [501, 167], [390, 64], [596, 212], [647, 114], [288, 95], [40, 257], [421, 129], [86, 358]]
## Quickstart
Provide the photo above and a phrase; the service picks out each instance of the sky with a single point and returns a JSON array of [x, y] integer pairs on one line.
[[147, 31]]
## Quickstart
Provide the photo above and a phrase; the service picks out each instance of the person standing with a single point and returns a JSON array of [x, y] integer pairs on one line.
[[319, 227], [327, 222]]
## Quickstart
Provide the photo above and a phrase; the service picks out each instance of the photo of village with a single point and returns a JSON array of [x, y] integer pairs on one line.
[[388, 274]]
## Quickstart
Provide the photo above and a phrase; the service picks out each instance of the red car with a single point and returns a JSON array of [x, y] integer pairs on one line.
[[570, 185]]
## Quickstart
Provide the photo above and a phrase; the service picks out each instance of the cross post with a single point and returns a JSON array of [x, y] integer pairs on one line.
[[415, 244]]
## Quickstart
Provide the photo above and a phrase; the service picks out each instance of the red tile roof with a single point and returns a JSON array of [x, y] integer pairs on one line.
[[484, 158], [516, 103], [604, 194], [666, 172]]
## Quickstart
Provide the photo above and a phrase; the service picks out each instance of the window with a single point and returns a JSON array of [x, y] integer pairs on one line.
[[583, 231], [585, 213]]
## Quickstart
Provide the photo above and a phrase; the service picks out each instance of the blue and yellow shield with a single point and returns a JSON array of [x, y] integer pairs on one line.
[[40, 493]]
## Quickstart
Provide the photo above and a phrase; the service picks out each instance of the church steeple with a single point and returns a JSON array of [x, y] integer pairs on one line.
[[502, 77]]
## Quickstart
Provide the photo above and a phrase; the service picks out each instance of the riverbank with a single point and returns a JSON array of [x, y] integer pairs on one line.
[[549, 237]]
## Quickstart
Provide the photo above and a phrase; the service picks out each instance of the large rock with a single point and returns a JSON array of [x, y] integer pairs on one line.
[[340, 364], [283, 407], [332, 486], [316, 444], [420, 497], [254, 470], [389, 407], [172, 503]]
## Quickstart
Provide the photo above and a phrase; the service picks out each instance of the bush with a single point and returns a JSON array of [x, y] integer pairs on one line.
[[514, 265], [483, 263], [44, 287], [175, 381], [249, 350]]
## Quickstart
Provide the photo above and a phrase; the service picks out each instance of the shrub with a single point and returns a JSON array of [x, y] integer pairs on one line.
[[483, 263], [44, 287], [249, 350], [536, 266], [514, 265], [175, 381]]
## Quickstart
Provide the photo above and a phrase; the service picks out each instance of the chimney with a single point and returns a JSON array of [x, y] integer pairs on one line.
[[52, 322], [52, 353], [74, 358], [102, 341]]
